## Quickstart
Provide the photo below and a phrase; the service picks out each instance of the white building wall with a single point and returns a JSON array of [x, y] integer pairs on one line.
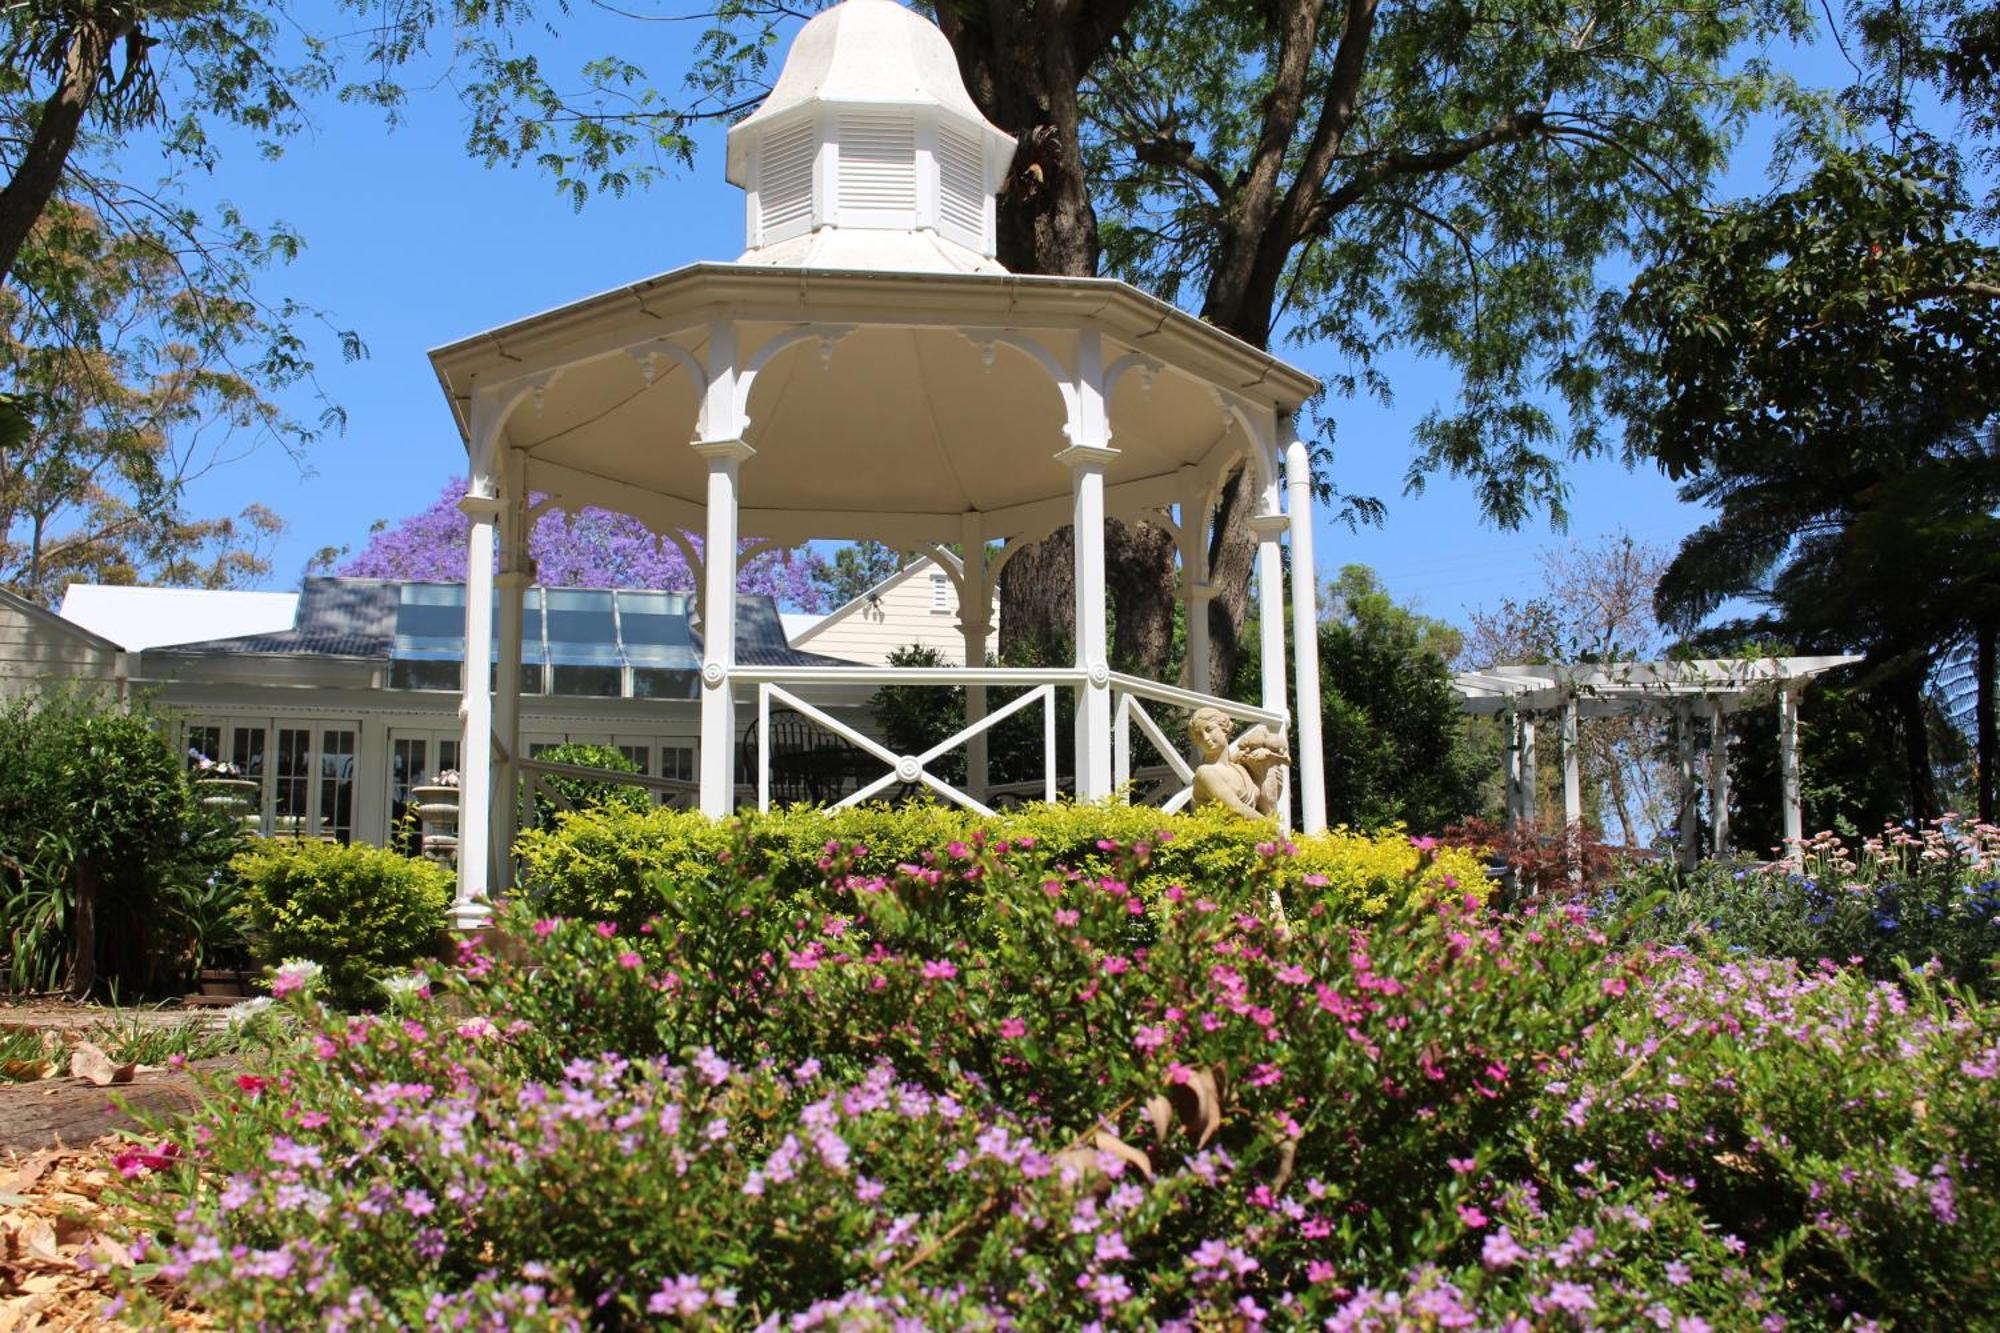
[[37, 648], [899, 612]]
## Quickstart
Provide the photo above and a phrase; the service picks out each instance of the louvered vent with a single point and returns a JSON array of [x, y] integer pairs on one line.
[[961, 186], [878, 164], [785, 192]]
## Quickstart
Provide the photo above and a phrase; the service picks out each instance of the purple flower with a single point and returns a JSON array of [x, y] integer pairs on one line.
[[1571, 1296], [1501, 1250]]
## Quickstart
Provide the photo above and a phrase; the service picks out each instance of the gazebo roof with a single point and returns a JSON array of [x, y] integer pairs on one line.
[[867, 394]]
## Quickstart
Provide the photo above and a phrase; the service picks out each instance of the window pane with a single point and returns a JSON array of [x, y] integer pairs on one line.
[[423, 674], [664, 683], [605, 682], [336, 785], [640, 755], [204, 743], [677, 761], [291, 783], [654, 629], [582, 629]]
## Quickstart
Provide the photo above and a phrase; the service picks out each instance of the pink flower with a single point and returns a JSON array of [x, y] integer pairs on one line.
[[1150, 1038], [545, 928], [1424, 844], [1010, 1028], [1469, 1214], [939, 970], [631, 960], [607, 928], [1318, 1271]]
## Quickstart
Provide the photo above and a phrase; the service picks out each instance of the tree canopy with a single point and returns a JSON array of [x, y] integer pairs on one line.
[[593, 548]]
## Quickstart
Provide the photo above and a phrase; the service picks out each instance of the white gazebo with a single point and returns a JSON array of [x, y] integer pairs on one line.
[[865, 369], [1710, 689]]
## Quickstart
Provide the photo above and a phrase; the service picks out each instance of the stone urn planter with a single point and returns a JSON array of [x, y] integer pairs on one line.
[[232, 795], [222, 982], [436, 805]]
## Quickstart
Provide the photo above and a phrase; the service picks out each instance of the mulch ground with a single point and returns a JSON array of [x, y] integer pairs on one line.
[[52, 1213]]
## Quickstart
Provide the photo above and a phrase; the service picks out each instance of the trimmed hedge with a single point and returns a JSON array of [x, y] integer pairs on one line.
[[621, 865], [356, 911]]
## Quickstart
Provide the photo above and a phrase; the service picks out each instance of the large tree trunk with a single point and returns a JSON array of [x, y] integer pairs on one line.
[[1909, 697], [1023, 65], [1986, 724], [40, 171]]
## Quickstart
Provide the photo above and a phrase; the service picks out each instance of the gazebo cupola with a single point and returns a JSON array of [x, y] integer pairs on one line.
[[869, 154]]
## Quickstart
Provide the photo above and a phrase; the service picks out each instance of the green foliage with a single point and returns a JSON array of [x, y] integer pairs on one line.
[[982, 1092], [96, 811], [358, 912], [855, 568], [582, 794], [625, 866], [1395, 739], [1893, 901]]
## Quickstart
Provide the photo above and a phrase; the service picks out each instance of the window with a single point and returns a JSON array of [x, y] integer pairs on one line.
[[940, 592], [290, 808], [665, 683], [640, 755], [336, 785], [677, 762], [423, 675], [204, 742]]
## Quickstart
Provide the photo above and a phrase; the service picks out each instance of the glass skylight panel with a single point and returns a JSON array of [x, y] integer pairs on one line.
[[654, 629]]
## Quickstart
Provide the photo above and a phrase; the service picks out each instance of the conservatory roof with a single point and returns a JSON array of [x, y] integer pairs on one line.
[[409, 620], [1623, 688]]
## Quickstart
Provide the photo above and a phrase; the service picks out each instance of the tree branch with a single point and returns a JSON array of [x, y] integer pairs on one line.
[[1515, 128]]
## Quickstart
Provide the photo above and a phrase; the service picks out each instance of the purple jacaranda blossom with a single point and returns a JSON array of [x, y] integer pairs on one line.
[[600, 549]]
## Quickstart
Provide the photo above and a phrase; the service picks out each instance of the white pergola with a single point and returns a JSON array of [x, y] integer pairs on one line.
[[1710, 688], [866, 370]]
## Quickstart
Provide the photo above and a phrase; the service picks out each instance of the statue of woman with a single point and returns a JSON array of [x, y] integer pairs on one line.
[[1247, 784]]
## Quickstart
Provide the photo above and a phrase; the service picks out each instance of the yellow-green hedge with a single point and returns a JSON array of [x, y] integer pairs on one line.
[[616, 863]]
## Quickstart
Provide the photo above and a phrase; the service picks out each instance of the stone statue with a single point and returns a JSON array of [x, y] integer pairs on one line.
[[1248, 783]]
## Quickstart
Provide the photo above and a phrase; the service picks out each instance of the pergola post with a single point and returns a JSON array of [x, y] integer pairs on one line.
[[1788, 770], [1572, 787], [1688, 790], [1718, 778], [975, 606], [718, 627], [1196, 592], [1531, 773], [1510, 768], [471, 908], [1308, 753], [516, 573]]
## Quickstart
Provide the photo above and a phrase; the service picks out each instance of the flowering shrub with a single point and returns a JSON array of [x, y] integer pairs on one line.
[[991, 1090], [626, 864], [1905, 897], [356, 911]]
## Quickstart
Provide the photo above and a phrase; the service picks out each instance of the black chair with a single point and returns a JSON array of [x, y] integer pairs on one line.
[[808, 763]]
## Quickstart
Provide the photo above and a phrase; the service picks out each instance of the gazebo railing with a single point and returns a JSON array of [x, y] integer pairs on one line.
[[1038, 685], [1174, 788], [679, 793]]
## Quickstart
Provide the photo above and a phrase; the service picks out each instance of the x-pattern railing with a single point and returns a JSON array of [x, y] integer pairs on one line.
[[904, 769], [1129, 709]]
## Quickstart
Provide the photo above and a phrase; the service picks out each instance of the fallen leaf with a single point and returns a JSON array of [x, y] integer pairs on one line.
[[1106, 1141], [1198, 1103], [30, 1171], [87, 1062]]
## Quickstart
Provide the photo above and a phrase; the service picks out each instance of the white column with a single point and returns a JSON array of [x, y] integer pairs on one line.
[[1718, 777], [516, 573], [1530, 773], [975, 608], [1089, 450], [1196, 592], [1572, 737], [1510, 768], [472, 908], [1690, 790], [1308, 753], [1788, 770], [1269, 527], [1093, 705], [718, 628]]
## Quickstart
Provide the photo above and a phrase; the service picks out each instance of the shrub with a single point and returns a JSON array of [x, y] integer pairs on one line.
[[989, 1092], [564, 793], [1902, 899], [623, 865], [356, 911], [102, 842]]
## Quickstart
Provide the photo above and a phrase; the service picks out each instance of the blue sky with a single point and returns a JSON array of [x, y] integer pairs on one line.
[[413, 244]]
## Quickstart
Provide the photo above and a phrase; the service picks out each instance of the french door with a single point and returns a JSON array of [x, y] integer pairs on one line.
[[304, 769]]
